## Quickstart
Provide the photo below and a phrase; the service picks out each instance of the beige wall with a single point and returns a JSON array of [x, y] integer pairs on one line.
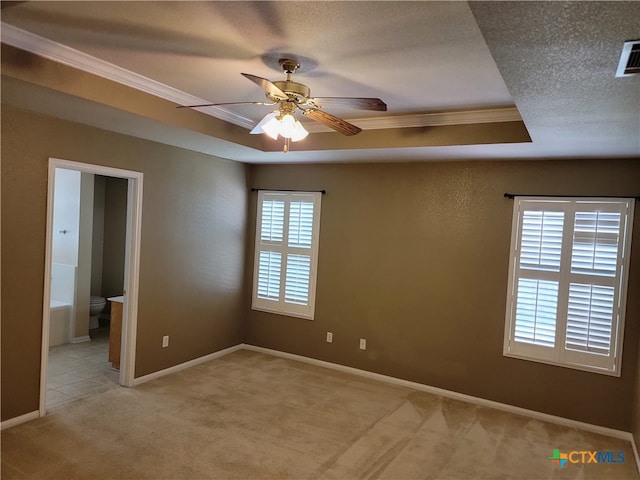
[[431, 308], [193, 233], [635, 423], [414, 258]]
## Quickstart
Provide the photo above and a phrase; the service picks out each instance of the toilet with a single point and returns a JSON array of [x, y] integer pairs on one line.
[[96, 306]]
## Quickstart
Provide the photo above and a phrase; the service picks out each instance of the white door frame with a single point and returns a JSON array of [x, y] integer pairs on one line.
[[131, 269]]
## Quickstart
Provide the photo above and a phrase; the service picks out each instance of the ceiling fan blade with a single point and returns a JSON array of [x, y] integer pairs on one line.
[[361, 103], [332, 121], [268, 86], [222, 104]]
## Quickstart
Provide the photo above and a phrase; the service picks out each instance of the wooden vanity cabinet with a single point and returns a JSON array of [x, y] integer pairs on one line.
[[115, 333]]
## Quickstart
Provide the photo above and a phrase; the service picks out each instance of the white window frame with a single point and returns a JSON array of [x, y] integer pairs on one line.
[[279, 305], [560, 354]]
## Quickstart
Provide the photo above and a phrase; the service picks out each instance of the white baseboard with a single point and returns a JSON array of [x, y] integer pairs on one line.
[[182, 366], [12, 422], [451, 394], [375, 376], [161, 373], [85, 338]]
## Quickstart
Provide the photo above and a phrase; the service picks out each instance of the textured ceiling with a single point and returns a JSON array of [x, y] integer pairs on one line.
[[461, 80]]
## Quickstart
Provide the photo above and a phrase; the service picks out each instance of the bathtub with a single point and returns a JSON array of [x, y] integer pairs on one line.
[[59, 323]]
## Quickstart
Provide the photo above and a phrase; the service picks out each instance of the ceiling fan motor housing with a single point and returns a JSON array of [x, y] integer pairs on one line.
[[297, 92]]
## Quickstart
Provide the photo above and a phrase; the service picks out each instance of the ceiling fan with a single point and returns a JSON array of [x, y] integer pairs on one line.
[[291, 96]]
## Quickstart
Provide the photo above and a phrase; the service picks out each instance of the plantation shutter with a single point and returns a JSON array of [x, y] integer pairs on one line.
[[270, 255], [286, 252], [567, 281], [596, 283], [538, 277], [535, 280], [299, 265]]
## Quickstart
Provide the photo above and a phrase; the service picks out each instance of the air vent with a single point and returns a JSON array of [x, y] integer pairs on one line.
[[629, 60]]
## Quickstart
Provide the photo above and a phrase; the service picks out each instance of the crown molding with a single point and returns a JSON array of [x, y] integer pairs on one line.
[[60, 53], [16, 37], [435, 119]]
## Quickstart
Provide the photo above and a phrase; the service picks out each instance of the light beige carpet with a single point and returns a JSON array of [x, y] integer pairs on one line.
[[254, 416]]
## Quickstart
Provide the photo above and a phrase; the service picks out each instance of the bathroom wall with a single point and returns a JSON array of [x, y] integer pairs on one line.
[[97, 238], [71, 247], [66, 217], [115, 232], [64, 254], [109, 237], [83, 282]]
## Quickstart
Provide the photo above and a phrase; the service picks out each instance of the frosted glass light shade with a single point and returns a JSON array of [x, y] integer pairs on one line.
[[286, 126], [272, 128]]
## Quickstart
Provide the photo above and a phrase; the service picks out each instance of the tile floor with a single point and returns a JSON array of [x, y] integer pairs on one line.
[[81, 369]]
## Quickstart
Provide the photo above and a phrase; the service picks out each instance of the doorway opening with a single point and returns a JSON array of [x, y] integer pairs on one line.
[[73, 320]]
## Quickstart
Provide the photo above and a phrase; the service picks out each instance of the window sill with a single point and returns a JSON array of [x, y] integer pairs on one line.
[[584, 368], [280, 312]]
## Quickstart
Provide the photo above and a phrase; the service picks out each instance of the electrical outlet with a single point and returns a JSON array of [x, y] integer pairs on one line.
[[329, 337], [165, 341], [363, 344]]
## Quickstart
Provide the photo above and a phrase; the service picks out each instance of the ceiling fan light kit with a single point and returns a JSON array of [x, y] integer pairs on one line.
[[282, 123], [286, 126], [291, 96]]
